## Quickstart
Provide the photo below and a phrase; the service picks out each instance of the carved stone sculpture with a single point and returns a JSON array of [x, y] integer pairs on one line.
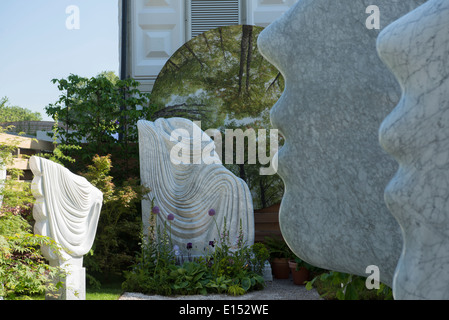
[[416, 133], [337, 93], [187, 190], [67, 209]]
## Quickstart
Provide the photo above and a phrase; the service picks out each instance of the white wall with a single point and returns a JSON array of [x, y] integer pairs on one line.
[[263, 12]]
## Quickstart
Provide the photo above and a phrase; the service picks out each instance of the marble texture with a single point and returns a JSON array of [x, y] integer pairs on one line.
[[67, 209], [189, 189], [416, 133], [337, 93]]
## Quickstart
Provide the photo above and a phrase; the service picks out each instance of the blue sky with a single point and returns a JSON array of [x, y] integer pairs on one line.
[[36, 46]]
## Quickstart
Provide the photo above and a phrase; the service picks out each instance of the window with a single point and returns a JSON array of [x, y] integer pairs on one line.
[[203, 15]]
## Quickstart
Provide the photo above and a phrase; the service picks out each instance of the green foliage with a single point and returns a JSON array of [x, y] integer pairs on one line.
[[95, 112], [59, 154], [259, 256], [23, 270], [14, 113], [97, 108], [112, 290], [188, 278], [162, 269], [278, 248], [344, 286], [98, 174], [119, 226], [302, 264]]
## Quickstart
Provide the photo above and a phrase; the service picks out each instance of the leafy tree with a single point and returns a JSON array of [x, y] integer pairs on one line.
[[96, 109], [15, 113], [100, 113]]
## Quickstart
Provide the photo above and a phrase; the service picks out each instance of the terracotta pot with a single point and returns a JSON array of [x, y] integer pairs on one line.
[[280, 268], [292, 264], [300, 276]]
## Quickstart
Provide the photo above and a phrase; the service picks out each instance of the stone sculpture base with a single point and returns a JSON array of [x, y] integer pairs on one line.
[[267, 272], [73, 285]]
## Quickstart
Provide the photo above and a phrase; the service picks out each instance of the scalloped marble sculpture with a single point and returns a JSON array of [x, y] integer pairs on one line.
[[337, 93], [189, 191], [67, 209], [416, 133]]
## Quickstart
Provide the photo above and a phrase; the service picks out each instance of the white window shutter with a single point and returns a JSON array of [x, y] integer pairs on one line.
[[210, 14]]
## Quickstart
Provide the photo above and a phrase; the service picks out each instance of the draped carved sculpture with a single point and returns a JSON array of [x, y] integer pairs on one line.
[[189, 189], [67, 209], [416, 133]]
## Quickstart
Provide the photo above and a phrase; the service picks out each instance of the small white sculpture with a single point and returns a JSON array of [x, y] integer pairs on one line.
[[67, 209], [188, 189], [416, 134]]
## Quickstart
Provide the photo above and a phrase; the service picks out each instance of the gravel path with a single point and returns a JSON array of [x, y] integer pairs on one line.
[[278, 289]]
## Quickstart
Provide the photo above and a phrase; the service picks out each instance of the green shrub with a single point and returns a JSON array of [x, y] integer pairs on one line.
[[260, 255], [23, 270], [278, 248], [119, 226], [343, 286]]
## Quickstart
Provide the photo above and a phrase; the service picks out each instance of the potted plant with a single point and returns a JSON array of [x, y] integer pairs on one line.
[[300, 270], [280, 254]]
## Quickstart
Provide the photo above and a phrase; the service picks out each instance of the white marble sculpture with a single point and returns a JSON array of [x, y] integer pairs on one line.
[[337, 93], [416, 133], [189, 189], [67, 209]]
